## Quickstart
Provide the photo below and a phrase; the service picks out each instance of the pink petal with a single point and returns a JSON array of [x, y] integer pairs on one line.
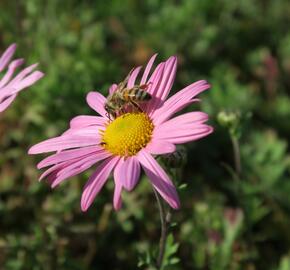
[[185, 134], [67, 155], [155, 79], [4, 104], [184, 121], [64, 142], [87, 120], [50, 178], [97, 102], [23, 74], [147, 69], [178, 101], [132, 79], [56, 179], [78, 167], [159, 179], [117, 201], [84, 131], [68, 160], [159, 147], [113, 88], [52, 171], [154, 83], [164, 85], [11, 69], [96, 182], [6, 56], [29, 80], [168, 78], [127, 172], [20, 81]]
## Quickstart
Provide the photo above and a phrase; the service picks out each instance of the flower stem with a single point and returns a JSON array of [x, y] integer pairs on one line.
[[165, 218], [237, 156]]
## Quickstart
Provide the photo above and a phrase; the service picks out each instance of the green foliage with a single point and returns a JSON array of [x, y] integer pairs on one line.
[[148, 259], [284, 264], [228, 220]]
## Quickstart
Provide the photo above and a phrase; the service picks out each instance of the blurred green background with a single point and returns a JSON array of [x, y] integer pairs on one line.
[[226, 221]]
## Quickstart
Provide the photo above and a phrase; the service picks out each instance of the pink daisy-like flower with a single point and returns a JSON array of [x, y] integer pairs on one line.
[[129, 142], [9, 88]]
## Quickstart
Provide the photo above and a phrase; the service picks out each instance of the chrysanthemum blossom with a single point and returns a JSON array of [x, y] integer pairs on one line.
[[131, 141], [10, 86]]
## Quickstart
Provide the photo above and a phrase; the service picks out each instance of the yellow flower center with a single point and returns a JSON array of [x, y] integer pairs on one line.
[[127, 134]]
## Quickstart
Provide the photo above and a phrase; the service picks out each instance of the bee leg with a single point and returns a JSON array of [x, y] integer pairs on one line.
[[109, 116], [103, 144], [114, 114], [145, 86], [136, 106], [126, 155], [120, 112]]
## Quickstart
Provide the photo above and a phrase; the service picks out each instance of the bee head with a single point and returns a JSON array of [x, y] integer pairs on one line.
[[110, 110], [107, 108]]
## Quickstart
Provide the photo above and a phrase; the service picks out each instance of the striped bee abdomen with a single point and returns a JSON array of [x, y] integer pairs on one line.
[[138, 95]]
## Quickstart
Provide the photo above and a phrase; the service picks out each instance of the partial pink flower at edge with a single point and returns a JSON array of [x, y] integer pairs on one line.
[[9, 86], [93, 139]]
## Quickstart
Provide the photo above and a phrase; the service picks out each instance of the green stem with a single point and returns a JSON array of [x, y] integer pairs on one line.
[[237, 156], [165, 221]]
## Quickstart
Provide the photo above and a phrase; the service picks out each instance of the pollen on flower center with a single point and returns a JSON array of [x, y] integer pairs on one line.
[[128, 134]]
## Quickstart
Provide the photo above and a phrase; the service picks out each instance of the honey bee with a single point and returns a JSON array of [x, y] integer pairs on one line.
[[118, 101]]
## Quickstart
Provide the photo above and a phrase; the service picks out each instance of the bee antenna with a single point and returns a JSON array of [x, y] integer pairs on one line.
[[128, 76], [108, 116], [130, 72]]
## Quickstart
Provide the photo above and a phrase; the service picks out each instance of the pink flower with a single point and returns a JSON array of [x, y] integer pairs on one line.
[[9, 88], [129, 142]]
